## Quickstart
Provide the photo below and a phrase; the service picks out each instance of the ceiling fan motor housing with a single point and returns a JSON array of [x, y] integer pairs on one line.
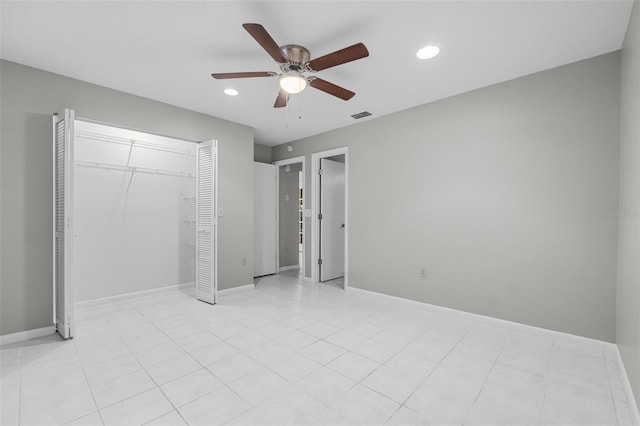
[[298, 56], [294, 61]]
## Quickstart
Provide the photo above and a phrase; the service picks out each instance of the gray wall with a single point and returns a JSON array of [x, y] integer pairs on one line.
[[29, 97], [262, 153], [288, 217], [500, 193], [628, 320]]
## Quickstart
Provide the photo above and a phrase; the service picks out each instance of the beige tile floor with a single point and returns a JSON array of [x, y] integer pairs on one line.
[[295, 353]]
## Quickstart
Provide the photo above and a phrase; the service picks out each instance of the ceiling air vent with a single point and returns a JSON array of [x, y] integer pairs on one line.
[[361, 115]]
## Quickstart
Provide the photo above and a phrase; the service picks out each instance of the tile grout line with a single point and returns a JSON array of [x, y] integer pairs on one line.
[[203, 367], [546, 383], [158, 386], [403, 404], [314, 305], [176, 378], [20, 387], [318, 339], [613, 399], [86, 379], [484, 381]]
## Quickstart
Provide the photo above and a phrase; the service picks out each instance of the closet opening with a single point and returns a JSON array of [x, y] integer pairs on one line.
[[135, 207], [134, 215]]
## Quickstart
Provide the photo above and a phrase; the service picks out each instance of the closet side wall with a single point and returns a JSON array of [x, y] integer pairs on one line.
[[29, 97]]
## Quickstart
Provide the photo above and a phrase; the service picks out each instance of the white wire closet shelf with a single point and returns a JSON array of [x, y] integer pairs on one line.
[[133, 143], [127, 141]]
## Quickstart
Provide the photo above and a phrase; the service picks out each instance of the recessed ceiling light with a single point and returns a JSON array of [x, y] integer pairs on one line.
[[428, 52], [231, 92]]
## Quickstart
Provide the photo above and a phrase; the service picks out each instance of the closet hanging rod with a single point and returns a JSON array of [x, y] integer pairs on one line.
[[108, 166], [130, 142]]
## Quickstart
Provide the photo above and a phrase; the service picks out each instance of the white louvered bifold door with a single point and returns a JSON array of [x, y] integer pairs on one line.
[[206, 222], [63, 225]]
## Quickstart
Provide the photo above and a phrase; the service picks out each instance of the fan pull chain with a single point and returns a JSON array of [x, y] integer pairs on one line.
[[286, 116]]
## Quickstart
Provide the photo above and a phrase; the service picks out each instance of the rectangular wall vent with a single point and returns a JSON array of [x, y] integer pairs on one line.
[[361, 115]]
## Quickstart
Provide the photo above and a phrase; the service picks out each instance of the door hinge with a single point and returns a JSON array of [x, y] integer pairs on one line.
[[319, 261], [319, 216], [320, 172]]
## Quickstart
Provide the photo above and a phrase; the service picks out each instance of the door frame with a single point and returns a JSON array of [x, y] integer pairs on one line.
[[279, 163], [315, 202]]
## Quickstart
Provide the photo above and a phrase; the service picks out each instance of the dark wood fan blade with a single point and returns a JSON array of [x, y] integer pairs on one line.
[[342, 56], [282, 99], [332, 89], [263, 38], [222, 76]]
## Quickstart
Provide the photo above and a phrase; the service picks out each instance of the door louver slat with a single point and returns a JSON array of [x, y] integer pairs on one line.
[[206, 284]]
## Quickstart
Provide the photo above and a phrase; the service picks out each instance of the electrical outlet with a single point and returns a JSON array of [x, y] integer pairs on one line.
[[423, 272], [244, 261]]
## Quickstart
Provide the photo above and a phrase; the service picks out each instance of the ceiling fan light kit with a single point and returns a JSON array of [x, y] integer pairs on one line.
[[292, 82], [294, 61]]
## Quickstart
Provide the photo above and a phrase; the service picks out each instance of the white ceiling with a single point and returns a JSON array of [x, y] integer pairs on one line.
[[166, 50]]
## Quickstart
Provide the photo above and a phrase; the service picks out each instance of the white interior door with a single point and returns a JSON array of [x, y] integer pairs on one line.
[[332, 219], [206, 222], [63, 222], [264, 219]]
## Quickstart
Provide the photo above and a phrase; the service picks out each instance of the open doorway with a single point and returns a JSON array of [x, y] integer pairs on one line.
[[290, 208], [329, 211]]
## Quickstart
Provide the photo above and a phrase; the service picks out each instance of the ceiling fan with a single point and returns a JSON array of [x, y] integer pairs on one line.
[[294, 61]]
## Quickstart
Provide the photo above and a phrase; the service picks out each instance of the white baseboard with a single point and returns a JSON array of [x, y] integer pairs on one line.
[[289, 268], [628, 390], [530, 329], [134, 295], [539, 331], [238, 289], [26, 335], [497, 322]]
